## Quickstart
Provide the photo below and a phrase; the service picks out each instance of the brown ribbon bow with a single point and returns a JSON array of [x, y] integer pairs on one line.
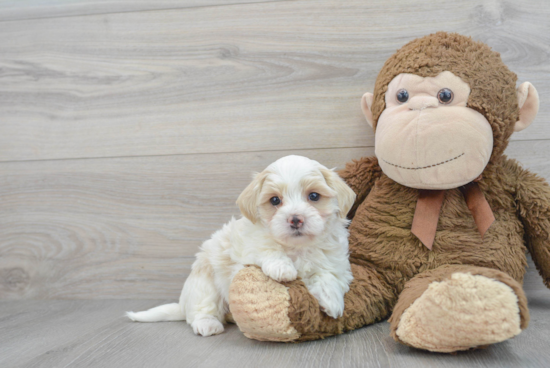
[[429, 204]]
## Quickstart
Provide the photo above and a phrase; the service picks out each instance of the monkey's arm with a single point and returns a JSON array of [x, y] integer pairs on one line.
[[266, 310], [360, 175], [533, 199]]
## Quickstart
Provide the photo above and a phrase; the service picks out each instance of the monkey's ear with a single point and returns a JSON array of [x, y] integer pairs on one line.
[[366, 104], [528, 101], [248, 201]]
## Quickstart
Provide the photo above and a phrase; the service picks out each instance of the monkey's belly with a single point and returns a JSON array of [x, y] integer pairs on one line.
[[380, 236]]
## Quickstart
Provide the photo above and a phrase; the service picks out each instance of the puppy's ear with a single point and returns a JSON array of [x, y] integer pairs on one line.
[[344, 194], [248, 200]]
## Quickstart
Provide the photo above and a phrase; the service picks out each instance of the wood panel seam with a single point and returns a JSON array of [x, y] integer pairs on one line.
[[219, 153], [187, 154], [141, 11]]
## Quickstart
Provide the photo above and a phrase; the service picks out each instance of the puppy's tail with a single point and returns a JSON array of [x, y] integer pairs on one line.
[[166, 312]]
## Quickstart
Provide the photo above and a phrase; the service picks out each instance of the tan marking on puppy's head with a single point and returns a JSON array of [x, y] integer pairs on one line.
[[248, 200], [295, 197]]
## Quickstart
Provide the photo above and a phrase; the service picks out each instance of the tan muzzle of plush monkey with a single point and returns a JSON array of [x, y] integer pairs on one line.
[[428, 138]]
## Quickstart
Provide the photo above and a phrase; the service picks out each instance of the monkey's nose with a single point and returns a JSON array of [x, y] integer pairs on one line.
[[422, 102], [296, 222]]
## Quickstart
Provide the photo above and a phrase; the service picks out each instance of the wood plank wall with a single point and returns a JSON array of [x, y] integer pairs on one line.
[[128, 128]]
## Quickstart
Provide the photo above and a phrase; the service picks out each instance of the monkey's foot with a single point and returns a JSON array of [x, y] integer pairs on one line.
[[260, 306], [459, 313]]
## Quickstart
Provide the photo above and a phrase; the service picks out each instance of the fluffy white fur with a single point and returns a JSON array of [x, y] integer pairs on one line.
[[316, 250]]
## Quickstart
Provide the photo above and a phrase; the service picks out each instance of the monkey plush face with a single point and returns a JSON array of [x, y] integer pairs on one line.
[[443, 111], [427, 138]]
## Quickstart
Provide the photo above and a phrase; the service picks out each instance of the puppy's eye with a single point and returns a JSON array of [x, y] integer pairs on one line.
[[275, 201], [314, 196], [445, 96], [402, 95]]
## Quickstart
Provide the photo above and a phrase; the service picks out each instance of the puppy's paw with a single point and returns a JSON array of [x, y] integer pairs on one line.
[[332, 303], [280, 270], [207, 326]]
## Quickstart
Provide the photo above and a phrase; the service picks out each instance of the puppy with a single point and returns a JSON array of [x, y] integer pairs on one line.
[[294, 225]]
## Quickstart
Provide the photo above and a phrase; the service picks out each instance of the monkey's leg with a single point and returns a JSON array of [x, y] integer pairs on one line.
[[458, 307], [267, 310]]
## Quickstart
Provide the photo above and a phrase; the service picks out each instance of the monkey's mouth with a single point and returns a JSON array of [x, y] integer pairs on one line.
[[424, 167]]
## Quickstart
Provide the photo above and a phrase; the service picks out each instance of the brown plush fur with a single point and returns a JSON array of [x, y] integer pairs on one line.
[[369, 301], [388, 261], [382, 246], [534, 210], [360, 175]]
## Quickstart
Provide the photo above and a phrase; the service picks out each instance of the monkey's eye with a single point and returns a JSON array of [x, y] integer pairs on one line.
[[402, 95], [275, 201], [314, 196], [445, 96]]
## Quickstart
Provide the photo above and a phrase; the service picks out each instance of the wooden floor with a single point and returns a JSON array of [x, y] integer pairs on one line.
[[129, 127], [94, 333]]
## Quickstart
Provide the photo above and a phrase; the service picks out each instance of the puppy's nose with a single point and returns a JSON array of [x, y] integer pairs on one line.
[[295, 221]]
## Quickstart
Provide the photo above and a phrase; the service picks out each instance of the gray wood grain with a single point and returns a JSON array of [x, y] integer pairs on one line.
[[119, 228], [11, 10], [249, 77], [126, 138], [129, 227], [92, 333]]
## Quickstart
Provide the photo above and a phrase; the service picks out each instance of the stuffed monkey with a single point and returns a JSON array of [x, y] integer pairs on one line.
[[442, 219]]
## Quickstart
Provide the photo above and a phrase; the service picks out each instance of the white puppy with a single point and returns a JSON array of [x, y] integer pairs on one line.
[[294, 225]]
